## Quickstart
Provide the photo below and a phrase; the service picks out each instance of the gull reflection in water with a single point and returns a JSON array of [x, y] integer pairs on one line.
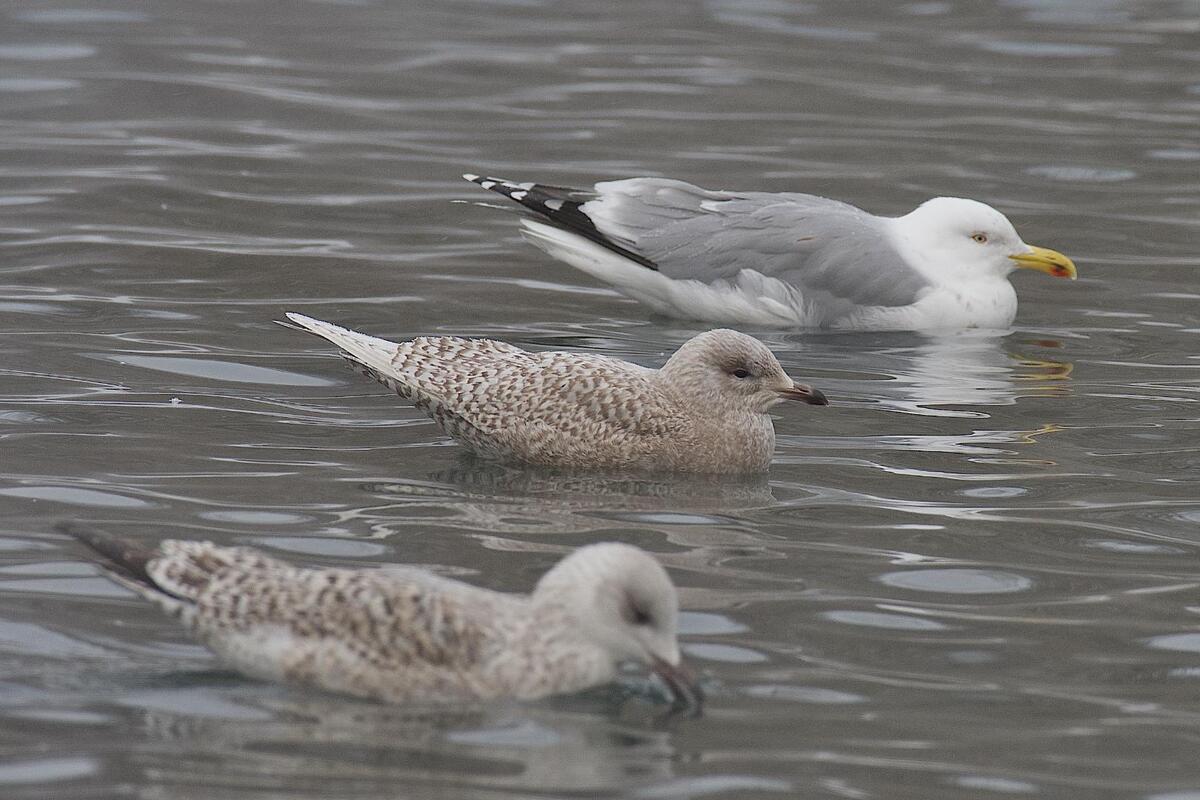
[[288, 742], [509, 508], [945, 375], [500, 499]]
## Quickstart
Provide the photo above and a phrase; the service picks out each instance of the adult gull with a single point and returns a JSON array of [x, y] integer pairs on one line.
[[785, 259]]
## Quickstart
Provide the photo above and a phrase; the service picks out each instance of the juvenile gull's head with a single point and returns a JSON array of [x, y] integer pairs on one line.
[[723, 368], [622, 600], [953, 238]]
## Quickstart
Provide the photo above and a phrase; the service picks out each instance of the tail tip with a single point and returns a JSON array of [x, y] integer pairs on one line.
[[298, 322], [489, 182], [111, 547], [76, 529], [126, 556]]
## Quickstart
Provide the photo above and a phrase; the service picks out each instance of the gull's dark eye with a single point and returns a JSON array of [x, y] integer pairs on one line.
[[741, 373], [636, 614], [981, 238]]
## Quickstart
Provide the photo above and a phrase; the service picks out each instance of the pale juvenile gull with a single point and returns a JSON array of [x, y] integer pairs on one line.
[[705, 410], [785, 259], [405, 635]]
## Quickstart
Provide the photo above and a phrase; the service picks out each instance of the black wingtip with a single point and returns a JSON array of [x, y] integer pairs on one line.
[[561, 206], [131, 558], [507, 188]]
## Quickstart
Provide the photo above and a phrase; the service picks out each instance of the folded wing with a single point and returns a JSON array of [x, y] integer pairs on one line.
[[836, 258], [506, 401]]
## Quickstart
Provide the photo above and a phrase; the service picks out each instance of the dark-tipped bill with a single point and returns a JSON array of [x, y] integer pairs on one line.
[[682, 683], [805, 394]]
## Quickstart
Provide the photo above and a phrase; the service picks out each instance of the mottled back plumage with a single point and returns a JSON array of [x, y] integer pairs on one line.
[[583, 410], [405, 635]]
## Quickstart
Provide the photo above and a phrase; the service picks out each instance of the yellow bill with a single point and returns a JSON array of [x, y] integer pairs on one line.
[[1043, 259]]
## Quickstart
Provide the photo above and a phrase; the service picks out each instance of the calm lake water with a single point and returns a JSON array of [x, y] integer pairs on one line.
[[975, 575]]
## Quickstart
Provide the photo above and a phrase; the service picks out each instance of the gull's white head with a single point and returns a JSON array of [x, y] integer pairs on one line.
[[621, 600], [959, 237], [723, 368]]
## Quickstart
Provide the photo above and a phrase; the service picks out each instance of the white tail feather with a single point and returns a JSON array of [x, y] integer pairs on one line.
[[366, 350]]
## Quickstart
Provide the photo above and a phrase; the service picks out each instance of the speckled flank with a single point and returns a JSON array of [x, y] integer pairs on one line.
[[704, 411], [406, 635]]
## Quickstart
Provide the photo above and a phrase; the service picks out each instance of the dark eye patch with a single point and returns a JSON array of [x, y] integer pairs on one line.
[[741, 372], [636, 614]]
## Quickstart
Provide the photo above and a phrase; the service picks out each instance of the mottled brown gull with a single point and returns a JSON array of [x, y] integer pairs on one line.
[[703, 411], [405, 635], [785, 259]]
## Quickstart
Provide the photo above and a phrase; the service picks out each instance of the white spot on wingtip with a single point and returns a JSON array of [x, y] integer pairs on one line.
[[487, 184], [554, 205], [518, 195], [470, 177]]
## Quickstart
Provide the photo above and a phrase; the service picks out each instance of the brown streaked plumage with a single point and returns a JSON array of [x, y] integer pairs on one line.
[[703, 411], [404, 635]]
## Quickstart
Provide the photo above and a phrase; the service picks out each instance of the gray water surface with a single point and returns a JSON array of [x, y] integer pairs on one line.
[[974, 575]]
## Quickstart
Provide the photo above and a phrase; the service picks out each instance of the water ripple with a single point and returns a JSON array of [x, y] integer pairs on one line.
[[971, 573]]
